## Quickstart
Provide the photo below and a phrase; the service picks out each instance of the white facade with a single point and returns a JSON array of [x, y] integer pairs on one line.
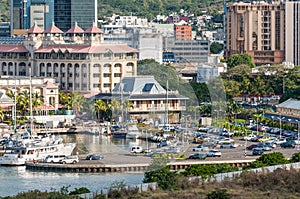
[[206, 72], [150, 47]]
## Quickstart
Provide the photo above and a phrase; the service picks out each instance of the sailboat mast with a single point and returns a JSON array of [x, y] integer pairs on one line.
[[15, 107], [30, 92], [166, 106]]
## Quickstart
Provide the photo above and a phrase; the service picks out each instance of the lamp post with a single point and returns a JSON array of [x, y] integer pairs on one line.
[[298, 122], [280, 123], [245, 153]]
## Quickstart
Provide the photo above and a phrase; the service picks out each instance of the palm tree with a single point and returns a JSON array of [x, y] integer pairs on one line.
[[113, 106], [127, 105], [37, 100], [23, 102], [1, 114], [101, 106], [78, 102]]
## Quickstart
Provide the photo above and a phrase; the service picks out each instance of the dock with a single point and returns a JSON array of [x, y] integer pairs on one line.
[[86, 168], [138, 164]]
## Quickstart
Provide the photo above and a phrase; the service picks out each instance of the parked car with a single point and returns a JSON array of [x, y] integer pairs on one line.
[[214, 153], [288, 144], [54, 158], [69, 160], [94, 156], [252, 146], [137, 149], [3, 141], [249, 137], [198, 156], [257, 151], [280, 141], [225, 140], [200, 148], [228, 145]]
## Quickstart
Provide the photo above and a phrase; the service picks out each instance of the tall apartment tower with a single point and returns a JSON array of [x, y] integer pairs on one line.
[[25, 13], [257, 29], [69, 12], [292, 27]]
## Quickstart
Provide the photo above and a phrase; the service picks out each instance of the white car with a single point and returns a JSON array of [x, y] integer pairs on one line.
[[249, 137], [214, 153], [200, 148], [280, 141], [70, 160], [225, 140]]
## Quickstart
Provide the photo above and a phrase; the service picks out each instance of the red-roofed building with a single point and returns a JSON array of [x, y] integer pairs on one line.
[[80, 61]]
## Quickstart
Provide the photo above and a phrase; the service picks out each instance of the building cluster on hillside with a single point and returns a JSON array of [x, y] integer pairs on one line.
[[61, 40]]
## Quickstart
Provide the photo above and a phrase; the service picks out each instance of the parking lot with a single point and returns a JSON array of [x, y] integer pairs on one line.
[[240, 151]]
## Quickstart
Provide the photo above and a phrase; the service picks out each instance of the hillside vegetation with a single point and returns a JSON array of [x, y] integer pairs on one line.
[[4, 10], [142, 8], [150, 8]]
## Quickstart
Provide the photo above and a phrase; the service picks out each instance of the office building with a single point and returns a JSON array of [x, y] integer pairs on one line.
[[4, 29], [191, 51], [24, 13], [292, 39], [256, 28], [69, 12]]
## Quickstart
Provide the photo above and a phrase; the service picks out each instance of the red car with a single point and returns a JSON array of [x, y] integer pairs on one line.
[[251, 146]]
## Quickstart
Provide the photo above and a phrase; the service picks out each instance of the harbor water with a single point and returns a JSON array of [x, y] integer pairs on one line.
[[14, 180]]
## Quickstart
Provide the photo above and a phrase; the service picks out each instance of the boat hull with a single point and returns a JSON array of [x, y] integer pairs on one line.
[[19, 156], [119, 135]]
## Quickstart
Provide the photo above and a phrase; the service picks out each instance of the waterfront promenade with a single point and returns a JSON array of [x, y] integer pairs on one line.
[[127, 162]]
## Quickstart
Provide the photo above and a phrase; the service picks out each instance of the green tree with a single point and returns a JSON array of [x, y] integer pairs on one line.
[[216, 48], [113, 107], [23, 102], [1, 114], [240, 59], [295, 157], [166, 179], [37, 101], [101, 107], [78, 102], [269, 159]]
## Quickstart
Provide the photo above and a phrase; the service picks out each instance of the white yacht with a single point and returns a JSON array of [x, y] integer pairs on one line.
[[16, 156], [133, 132]]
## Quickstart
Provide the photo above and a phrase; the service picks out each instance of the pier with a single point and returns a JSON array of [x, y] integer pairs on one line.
[[85, 166]]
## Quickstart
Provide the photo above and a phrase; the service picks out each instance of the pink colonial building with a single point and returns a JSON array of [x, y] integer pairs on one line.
[[78, 59]]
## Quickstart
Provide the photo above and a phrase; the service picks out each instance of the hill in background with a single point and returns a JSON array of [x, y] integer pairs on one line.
[[141, 8]]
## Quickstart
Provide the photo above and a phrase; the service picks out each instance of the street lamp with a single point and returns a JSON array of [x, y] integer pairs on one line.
[[298, 122], [280, 119], [245, 154]]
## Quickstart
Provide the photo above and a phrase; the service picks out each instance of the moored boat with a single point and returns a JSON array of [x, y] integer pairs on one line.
[[133, 132], [16, 156]]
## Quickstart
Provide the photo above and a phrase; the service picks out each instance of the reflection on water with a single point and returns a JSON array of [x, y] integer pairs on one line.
[[18, 179], [103, 144]]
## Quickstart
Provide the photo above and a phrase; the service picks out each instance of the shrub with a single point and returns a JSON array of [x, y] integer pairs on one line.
[[218, 194], [269, 159], [81, 190], [166, 179]]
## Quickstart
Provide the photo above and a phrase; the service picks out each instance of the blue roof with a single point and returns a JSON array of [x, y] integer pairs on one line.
[[291, 103], [11, 40]]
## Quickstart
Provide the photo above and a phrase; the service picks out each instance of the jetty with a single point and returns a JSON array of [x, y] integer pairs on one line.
[[124, 163]]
